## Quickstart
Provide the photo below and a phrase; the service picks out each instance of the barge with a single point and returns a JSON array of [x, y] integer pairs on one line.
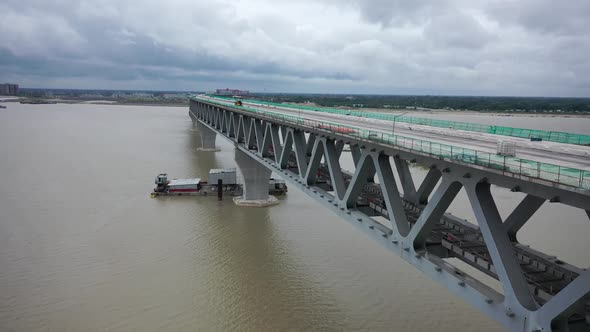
[[197, 187]]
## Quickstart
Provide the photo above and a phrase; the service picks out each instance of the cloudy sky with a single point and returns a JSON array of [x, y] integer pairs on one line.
[[456, 47]]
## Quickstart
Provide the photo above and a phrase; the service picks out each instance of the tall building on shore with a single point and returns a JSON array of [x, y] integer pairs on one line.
[[8, 89]]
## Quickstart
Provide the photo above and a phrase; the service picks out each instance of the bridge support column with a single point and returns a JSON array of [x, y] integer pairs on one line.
[[256, 178], [207, 138]]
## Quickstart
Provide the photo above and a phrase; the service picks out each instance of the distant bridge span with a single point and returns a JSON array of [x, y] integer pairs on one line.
[[539, 292]]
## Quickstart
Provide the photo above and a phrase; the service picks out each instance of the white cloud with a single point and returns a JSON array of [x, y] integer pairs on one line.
[[503, 47]]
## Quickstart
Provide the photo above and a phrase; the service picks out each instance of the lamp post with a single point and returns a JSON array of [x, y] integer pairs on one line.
[[395, 117]]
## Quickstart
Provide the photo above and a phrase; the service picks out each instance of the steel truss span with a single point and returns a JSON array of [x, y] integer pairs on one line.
[[538, 292]]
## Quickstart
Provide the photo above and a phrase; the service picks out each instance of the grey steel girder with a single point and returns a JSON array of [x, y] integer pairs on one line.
[[518, 308]]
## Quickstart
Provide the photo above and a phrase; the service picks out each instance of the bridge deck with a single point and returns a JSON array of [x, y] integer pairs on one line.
[[556, 162], [551, 136], [561, 154]]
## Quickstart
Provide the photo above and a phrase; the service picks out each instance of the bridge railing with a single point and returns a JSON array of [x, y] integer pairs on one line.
[[551, 136], [512, 165]]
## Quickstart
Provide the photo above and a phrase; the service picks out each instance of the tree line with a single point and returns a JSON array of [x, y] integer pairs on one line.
[[490, 104]]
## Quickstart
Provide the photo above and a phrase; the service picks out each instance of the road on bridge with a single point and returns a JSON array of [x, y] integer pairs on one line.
[[566, 155]]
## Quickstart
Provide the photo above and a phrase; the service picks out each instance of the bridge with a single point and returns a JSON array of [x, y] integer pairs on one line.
[[305, 145]]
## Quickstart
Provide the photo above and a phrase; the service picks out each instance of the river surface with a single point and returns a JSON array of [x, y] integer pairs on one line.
[[84, 248]]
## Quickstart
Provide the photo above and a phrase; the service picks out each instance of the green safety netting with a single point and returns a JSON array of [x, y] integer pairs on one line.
[[554, 173], [552, 136]]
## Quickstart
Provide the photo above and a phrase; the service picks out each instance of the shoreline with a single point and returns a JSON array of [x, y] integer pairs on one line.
[[92, 102], [411, 112]]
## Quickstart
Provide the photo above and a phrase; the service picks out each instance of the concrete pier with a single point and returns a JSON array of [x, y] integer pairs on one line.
[[256, 178], [207, 138]]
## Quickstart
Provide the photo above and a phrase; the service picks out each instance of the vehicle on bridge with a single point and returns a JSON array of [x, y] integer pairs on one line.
[[506, 148], [337, 129]]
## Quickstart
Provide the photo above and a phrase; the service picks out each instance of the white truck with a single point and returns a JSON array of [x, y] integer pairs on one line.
[[506, 148]]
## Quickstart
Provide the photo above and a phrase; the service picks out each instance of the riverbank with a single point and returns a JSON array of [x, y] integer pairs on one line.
[[409, 112], [45, 101]]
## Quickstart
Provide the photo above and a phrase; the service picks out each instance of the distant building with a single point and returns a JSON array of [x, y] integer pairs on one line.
[[172, 95], [8, 89], [232, 92]]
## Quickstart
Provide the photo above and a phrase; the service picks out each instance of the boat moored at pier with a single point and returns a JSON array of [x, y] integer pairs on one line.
[[197, 187]]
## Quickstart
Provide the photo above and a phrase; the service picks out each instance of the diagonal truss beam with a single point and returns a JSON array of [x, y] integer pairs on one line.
[[405, 179], [433, 212], [521, 214], [365, 168], [566, 302], [332, 156], [516, 288], [428, 185], [391, 195]]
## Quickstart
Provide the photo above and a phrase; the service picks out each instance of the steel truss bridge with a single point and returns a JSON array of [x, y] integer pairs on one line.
[[538, 291]]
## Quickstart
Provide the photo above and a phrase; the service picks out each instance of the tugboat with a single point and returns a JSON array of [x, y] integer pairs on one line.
[[198, 187]]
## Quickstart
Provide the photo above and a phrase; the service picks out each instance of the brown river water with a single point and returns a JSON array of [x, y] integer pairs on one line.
[[84, 248]]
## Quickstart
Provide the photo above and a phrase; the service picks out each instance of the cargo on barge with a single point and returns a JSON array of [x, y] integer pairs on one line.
[[198, 187]]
